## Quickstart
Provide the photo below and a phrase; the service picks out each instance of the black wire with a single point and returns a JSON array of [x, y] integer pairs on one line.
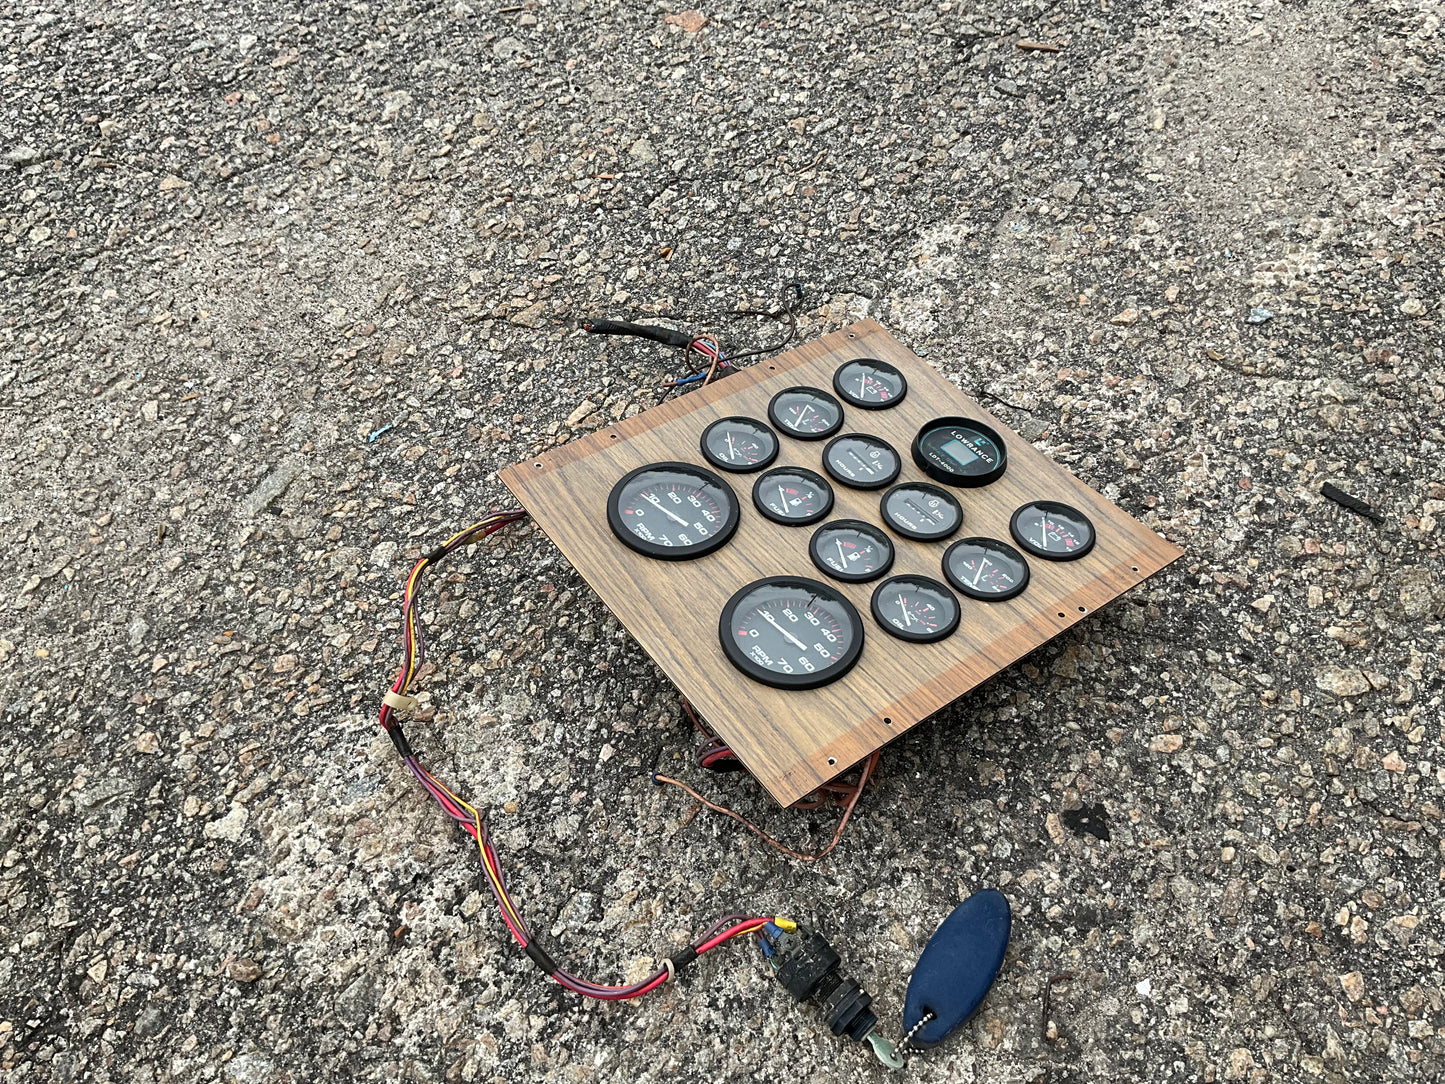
[[787, 312]]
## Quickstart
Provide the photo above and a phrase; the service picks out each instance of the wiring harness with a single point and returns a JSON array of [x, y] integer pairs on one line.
[[472, 820]]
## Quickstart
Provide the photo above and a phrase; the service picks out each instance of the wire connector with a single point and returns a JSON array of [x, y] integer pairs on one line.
[[807, 967]]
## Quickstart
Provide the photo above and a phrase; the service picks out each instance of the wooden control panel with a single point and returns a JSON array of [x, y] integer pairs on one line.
[[794, 739]]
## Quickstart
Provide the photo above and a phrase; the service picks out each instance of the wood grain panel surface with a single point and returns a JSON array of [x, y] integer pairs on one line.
[[794, 740]]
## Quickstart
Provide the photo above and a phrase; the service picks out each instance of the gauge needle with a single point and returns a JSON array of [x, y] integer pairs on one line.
[[803, 413], [783, 497], [669, 513], [795, 641], [862, 386], [732, 452], [1044, 531], [906, 619], [841, 554], [976, 575]]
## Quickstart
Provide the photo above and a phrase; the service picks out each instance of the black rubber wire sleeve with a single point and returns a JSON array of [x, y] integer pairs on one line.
[[539, 957], [665, 335], [683, 958], [398, 739]]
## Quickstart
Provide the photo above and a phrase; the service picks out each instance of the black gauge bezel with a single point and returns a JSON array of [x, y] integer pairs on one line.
[[908, 532], [864, 404], [816, 478], [961, 585], [733, 468], [674, 553], [740, 660], [843, 480], [930, 584], [879, 536], [1058, 508], [783, 428], [952, 478]]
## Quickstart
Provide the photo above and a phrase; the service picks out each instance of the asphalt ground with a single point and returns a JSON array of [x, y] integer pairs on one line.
[[283, 288]]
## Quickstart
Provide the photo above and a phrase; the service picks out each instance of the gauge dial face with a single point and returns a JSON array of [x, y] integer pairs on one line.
[[985, 568], [960, 452], [672, 510], [739, 444], [791, 632], [921, 511], [915, 608], [1053, 531], [870, 383], [851, 550], [861, 461], [806, 413], [792, 495]]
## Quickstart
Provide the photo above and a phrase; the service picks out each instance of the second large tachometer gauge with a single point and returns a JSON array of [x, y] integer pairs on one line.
[[791, 632]]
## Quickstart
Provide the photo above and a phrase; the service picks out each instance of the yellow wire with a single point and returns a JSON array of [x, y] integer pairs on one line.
[[492, 873], [408, 673]]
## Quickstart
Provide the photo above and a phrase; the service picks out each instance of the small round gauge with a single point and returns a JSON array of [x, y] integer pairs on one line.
[[672, 510], [921, 511], [985, 568], [861, 461], [739, 444], [793, 495], [806, 413], [791, 632], [959, 452], [870, 383], [851, 550], [1052, 530], [915, 608]]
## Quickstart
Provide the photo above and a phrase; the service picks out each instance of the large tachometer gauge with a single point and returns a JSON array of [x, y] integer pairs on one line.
[[791, 632]]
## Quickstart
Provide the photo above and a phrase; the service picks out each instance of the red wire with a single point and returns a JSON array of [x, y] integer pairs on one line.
[[473, 826]]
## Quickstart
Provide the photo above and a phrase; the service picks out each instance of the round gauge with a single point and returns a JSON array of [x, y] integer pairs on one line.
[[959, 452], [870, 383], [1052, 530], [739, 444], [915, 608], [851, 550], [791, 632], [985, 568], [861, 461], [793, 495], [806, 413], [921, 511], [672, 510]]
